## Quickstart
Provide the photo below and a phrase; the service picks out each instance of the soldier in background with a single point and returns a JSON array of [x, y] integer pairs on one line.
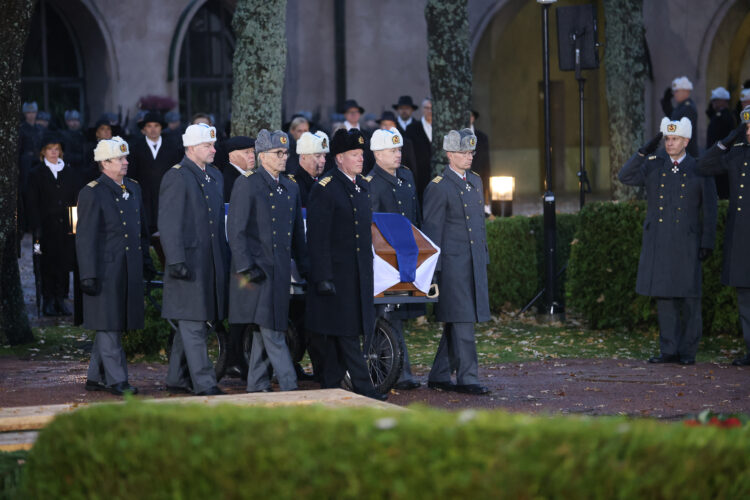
[[454, 220], [420, 132], [234, 157], [720, 124], [74, 139], [675, 240], [312, 150], [29, 145], [113, 257], [191, 225], [680, 91], [731, 157]]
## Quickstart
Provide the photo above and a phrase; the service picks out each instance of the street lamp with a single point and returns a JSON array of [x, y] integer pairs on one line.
[[501, 194]]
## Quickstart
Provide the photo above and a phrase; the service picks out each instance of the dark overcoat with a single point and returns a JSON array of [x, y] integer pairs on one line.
[[111, 245], [305, 183], [454, 220], [339, 243], [423, 153], [191, 227], [265, 229], [735, 162], [680, 219]]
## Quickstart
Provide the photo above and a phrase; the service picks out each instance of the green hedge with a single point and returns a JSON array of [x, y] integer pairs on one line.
[[11, 467], [141, 450], [512, 273]]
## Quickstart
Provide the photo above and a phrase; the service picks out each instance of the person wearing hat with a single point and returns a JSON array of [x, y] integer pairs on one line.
[[388, 121], [42, 119], [174, 124], [720, 124], [74, 139], [680, 91], [454, 220], [234, 157], [405, 107], [420, 132], [192, 235], [101, 130], [29, 143], [393, 190], [340, 306], [352, 114], [151, 155], [113, 257], [265, 232], [53, 187], [731, 157], [678, 234], [312, 150]]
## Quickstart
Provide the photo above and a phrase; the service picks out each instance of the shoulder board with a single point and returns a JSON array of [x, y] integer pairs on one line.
[[472, 172], [437, 179], [177, 166], [368, 178], [248, 173], [652, 157], [738, 144], [92, 184], [325, 181], [291, 177], [132, 180]]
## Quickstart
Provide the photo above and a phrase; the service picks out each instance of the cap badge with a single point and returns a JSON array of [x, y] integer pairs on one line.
[[324, 144], [123, 148], [472, 142], [671, 127], [396, 139], [212, 133], [283, 140], [361, 140], [746, 116]]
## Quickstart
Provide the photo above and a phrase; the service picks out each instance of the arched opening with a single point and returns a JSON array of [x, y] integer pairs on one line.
[[52, 73], [728, 62], [205, 69]]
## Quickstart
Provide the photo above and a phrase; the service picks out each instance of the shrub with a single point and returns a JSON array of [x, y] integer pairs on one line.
[[141, 450], [566, 227], [11, 466], [512, 273]]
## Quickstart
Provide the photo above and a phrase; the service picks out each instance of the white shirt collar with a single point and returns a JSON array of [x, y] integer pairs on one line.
[[406, 123], [460, 176], [427, 128], [237, 168], [353, 179], [151, 145], [350, 126], [679, 160]]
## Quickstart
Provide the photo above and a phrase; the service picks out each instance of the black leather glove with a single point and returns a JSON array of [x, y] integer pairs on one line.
[[734, 135], [326, 287], [255, 274], [90, 286], [666, 101], [179, 271], [710, 111], [651, 145], [704, 253], [149, 271]]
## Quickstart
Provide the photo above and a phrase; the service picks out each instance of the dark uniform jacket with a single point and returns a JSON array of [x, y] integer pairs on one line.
[[720, 124], [687, 108], [112, 244], [305, 183], [397, 194], [29, 143], [191, 227], [736, 163], [148, 171], [75, 143], [230, 174], [454, 220], [423, 152], [339, 243], [265, 229], [673, 231]]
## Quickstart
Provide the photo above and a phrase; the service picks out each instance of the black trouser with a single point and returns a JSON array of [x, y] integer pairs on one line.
[[680, 325], [55, 278], [336, 354]]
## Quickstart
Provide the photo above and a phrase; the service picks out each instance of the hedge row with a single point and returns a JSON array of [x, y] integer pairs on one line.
[[141, 450], [11, 467]]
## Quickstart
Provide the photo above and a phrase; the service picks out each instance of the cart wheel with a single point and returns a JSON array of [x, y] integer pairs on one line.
[[293, 341], [384, 358], [217, 349]]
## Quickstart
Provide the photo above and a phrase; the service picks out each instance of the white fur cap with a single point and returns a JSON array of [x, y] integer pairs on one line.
[[720, 93], [310, 144], [745, 95], [198, 134], [386, 139], [682, 128], [107, 149], [682, 83]]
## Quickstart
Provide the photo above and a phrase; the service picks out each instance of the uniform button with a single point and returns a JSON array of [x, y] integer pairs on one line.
[[273, 219], [472, 242], [139, 248], [681, 197], [358, 249], [212, 235], [663, 175], [742, 185], [274, 245], [210, 222], [209, 209], [117, 199], [139, 223], [679, 208], [355, 209], [126, 248], [126, 235], [660, 220], [683, 185], [274, 232], [203, 185], [121, 211], [356, 236], [288, 234], [662, 185], [465, 205], [740, 197], [351, 196], [469, 229], [661, 196], [399, 202], [270, 194], [677, 221], [739, 209], [357, 222], [661, 208], [206, 196], [273, 207], [124, 224]]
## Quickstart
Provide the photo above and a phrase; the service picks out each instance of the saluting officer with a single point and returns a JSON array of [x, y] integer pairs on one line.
[[731, 156], [312, 149], [265, 231], [191, 225], [454, 220], [340, 299], [675, 241], [393, 190], [112, 248]]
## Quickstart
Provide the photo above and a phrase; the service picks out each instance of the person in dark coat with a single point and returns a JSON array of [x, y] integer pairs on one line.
[[731, 156], [387, 121], [481, 164], [405, 107], [420, 133], [101, 130], [720, 124], [191, 227], [393, 190], [680, 91], [311, 151], [29, 145], [151, 155], [234, 157], [265, 231], [74, 139], [675, 240], [113, 257], [53, 187], [340, 305], [353, 119], [454, 220]]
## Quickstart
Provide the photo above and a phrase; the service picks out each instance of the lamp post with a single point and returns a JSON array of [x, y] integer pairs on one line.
[[552, 309], [501, 193]]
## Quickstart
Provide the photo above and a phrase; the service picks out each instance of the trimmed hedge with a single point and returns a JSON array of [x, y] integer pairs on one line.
[[512, 273], [11, 467], [141, 450]]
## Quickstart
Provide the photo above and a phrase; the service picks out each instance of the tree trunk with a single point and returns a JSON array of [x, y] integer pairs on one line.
[[449, 63], [14, 25], [259, 65], [625, 64]]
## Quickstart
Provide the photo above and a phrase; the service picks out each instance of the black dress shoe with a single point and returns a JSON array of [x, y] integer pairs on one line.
[[92, 385], [211, 391], [441, 386], [61, 308], [664, 358], [744, 361], [687, 361], [48, 308], [234, 371], [475, 389], [176, 389], [407, 385], [121, 388], [376, 395]]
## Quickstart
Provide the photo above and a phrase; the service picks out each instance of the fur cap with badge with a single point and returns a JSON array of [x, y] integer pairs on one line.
[[682, 128], [386, 139]]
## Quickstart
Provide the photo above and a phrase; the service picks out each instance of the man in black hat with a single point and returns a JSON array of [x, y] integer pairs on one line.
[[340, 305], [405, 107], [352, 114], [420, 132], [234, 157], [150, 157]]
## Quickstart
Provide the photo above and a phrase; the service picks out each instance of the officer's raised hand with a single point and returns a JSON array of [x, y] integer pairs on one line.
[[704, 253], [325, 287], [651, 145], [734, 135], [90, 286], [255, 274], [179, 271]]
